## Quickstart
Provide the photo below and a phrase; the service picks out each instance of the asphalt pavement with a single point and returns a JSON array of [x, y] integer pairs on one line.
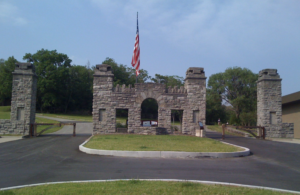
[[54, 158]]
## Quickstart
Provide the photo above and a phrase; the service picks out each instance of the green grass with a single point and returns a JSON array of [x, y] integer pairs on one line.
[[42, 127], [121, 120], [136, 187], [158, 143], [4, 112], [88, 118]]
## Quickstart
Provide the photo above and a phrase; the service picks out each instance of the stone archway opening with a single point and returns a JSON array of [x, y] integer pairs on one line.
[[121, 120], [149, 112], [176, 120]]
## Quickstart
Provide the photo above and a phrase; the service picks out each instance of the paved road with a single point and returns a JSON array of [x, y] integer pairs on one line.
[[57, 158], [82, 128]]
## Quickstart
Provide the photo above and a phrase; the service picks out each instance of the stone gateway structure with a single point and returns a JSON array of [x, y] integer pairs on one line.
[[191, 99]]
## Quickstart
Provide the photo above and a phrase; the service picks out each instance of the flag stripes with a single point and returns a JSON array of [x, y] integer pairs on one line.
[[136, 52]]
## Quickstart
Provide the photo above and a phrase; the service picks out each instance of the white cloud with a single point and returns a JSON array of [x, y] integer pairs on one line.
[[216, 24], [9, 14]]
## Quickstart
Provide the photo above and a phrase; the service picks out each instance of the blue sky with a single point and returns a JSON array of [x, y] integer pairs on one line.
[[174, 34]]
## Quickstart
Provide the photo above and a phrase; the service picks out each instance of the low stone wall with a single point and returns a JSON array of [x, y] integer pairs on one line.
[[16, 127], [285, 130]]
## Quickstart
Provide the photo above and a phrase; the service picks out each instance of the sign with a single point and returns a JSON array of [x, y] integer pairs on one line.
[[146, 124], [153, 122]]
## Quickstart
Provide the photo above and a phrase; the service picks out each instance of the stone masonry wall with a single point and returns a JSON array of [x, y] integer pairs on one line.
[[24, 87], [269, 106], [107, 99]]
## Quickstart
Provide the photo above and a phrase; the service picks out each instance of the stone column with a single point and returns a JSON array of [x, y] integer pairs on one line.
[[23, 101], [269, 111], [195, 85], [103, 109]]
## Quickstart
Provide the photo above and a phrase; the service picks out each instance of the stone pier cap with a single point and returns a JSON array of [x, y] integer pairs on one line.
[[195, 72], [103, 69], [24, 68], [268, 74]]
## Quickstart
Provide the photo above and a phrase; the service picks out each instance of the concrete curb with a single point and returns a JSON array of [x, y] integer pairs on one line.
[[167, 180], [165, 154]]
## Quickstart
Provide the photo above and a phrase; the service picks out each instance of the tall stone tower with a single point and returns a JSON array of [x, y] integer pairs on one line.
[[269, 111], [103, 113], [195, 85], [23, 101]]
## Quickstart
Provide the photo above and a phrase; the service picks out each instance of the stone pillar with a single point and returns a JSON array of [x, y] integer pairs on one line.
[[269, 111], [103, 111], [23, 101], [195, 85]]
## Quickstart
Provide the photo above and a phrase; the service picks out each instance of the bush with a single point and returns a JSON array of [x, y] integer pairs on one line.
[[120, 125]]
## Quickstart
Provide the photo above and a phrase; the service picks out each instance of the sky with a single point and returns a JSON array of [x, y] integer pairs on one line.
[[174, 34]]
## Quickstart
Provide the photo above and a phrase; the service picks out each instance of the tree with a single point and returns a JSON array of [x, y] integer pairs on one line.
[[168, 80], [237, 88], [52, 69], [214, 108], [124, 74], [6, 69]]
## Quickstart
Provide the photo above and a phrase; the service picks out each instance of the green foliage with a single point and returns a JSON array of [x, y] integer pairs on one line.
[[120, 125], [248, 118], [52, 69], [6, 69], [61, 88], [235, 87], [170, 81], [124, 74], [214, 108]]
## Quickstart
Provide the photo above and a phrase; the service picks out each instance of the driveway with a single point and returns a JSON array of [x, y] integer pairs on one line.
[[82, 128], [57, 158]]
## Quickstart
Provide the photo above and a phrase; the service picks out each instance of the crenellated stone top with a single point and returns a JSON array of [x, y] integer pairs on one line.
[[268, 74], [124, 89], [195, 73], [24, 69], [103, 70], [176, 89]]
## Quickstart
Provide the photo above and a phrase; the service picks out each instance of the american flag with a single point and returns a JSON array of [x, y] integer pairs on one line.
[[136, 51]]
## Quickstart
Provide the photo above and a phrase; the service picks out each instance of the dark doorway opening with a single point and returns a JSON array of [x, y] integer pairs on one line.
[[176, 120], [149, 113], [121, 120]]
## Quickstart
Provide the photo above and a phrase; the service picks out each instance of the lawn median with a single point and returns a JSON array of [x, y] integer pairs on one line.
[[130, 142], [133, 187]]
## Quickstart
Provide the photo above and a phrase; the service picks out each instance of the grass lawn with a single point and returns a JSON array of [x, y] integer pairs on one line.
[[134, 187], [42, 127], [130, 142], [4, 112]]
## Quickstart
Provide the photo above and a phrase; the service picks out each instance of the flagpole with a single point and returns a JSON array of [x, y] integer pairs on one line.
[[137, 26]]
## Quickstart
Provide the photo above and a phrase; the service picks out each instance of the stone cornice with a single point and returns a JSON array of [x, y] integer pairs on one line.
[[268, 80]]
